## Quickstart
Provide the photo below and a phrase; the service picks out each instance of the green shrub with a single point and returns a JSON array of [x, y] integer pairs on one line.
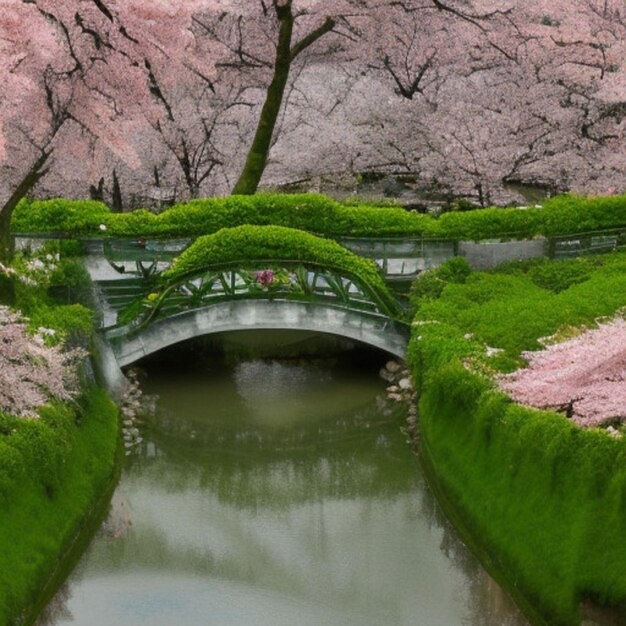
[[73, 322], [568, 214], [7, 289], [70, 273], [311, 212], [70, 248], [277, 243], [507, 308], [491, 223], [59, 216], [429, 285], [70, 283], [56, 298]]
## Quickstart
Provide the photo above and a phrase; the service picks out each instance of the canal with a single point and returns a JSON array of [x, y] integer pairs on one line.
[[275, 492]]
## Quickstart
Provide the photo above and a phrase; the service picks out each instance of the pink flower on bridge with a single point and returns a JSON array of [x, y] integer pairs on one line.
[[265, 278]]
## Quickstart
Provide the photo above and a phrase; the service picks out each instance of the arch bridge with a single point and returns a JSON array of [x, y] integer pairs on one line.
[[147, 314]]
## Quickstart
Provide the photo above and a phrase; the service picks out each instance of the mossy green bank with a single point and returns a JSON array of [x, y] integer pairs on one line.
[[53, 472], [57, 470], [543, 501]]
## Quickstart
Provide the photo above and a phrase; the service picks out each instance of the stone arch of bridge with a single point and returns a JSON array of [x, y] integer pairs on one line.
[[367, 328]]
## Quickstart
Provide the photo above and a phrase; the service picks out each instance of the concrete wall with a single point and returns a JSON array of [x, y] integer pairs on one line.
[[485, 255]]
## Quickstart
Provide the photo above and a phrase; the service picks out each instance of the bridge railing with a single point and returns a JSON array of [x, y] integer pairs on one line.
[[591, 242], [259, 279]]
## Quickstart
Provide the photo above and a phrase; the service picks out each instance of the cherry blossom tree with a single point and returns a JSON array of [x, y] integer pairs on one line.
[[32, 373], [540, 97], [410, 40], [297, 27], [462, 93], [584, 377], [202, 131], [76, 70]]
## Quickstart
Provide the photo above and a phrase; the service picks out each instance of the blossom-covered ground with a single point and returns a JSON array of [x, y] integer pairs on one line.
[[585, 377]]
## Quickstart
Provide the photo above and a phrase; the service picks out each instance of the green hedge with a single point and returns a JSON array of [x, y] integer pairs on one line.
[[320, 214], [277, 243], [561, 215], [59, 299], [543, 500], [52, 472]]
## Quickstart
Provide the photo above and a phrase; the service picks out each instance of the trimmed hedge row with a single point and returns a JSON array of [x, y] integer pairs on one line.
[[320, 214], [277, 243], [543, 500]]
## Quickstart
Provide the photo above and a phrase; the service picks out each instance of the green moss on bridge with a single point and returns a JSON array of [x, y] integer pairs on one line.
[[274, 244]]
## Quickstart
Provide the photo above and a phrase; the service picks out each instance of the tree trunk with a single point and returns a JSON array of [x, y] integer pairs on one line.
[[257, 156], [32, 177], [7, 246], [116, 195]]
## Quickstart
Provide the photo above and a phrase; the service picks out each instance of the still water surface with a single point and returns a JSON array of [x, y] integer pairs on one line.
[[276, 493]]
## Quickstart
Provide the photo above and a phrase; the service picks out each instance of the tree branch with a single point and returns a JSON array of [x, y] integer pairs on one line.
[[312, 37]]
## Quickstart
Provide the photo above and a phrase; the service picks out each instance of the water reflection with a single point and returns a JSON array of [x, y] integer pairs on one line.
[[276, 493]]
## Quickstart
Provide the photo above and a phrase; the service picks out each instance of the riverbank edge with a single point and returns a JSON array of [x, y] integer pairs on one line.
[[472, 541], [68, 542], [476, 536]]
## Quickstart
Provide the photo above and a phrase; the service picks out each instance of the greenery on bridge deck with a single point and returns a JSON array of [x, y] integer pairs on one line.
[[544, 500], [273, 244], [316, 213]]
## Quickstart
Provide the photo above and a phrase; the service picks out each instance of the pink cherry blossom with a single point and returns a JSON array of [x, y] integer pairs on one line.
[[463, 94], [585, 377], [32, 373]]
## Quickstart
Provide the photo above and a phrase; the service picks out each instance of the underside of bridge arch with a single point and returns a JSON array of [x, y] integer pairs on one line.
[[269, 344], [247, 315]]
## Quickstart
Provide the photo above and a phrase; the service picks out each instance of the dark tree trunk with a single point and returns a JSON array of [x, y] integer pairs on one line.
[[6, 240], [257, 156], [97, 193], [32, 177], [116, 195]]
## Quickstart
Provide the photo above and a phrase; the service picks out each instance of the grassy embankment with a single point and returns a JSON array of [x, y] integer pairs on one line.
[[55, 471], [541, 500]]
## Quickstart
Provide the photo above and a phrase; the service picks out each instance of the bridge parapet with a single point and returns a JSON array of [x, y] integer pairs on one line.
[[256, 280]]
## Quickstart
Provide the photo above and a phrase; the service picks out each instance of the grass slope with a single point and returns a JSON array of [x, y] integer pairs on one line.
[[544, 501], [39, 518]]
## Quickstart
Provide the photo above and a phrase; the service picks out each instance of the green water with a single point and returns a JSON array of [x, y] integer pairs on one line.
[[275, 493]]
